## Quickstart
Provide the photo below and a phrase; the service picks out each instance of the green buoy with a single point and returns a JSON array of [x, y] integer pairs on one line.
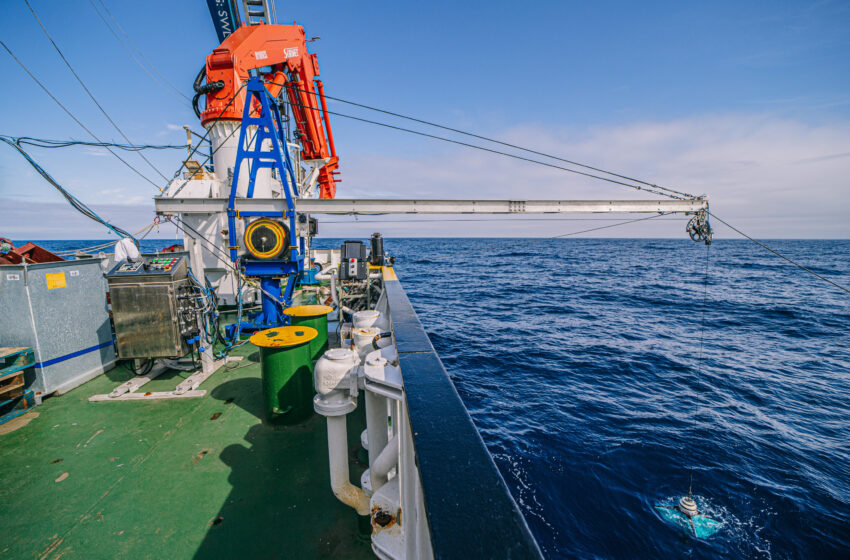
[[316, 317], [287, 372]]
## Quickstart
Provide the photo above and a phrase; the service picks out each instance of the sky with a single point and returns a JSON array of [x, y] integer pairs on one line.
[[747, 103]]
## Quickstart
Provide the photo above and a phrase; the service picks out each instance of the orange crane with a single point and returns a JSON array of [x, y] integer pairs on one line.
[[280, 50]]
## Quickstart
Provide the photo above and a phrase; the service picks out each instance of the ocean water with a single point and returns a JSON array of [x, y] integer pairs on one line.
[[579, 361]]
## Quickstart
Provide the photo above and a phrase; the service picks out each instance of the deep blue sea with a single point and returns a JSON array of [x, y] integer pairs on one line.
[[578, 360]]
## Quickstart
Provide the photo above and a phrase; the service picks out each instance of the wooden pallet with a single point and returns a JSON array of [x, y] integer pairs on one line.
[[15, 407], [13, 362], [15, 359], [11, 386]]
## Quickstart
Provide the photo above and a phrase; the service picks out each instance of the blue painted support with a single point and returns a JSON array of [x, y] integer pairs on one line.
[[308, 277], [290, 289], [269, 128], [271, 301]]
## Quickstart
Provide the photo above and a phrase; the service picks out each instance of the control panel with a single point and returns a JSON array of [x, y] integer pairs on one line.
[[170, 267], [163, 263], [132, 266], [353, 265]]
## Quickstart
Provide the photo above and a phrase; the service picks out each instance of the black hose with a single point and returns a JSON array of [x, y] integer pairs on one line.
[[144, 370], [203, 89], [378, 338]]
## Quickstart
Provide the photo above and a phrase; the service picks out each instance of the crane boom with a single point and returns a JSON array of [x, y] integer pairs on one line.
[[282, 50]]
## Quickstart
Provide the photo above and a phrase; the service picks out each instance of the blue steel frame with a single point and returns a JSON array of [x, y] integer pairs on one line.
[[269, 127]]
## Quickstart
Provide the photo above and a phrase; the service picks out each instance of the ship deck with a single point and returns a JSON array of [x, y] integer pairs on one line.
[[180, 478]]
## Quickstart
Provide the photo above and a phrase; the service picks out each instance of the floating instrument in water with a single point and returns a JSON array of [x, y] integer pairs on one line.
[[686, 515]]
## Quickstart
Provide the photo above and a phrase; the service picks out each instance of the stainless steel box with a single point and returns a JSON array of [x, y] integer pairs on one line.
[[147, 318]]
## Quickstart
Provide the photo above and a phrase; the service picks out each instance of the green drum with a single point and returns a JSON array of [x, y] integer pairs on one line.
[[287, 373], [314, 316]]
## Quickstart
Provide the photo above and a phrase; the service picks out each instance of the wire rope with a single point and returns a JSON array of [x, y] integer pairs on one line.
[[87, 90], [70, 114], [135, 59], [698, 377], [492, 151], [780, 255], [493, 140]]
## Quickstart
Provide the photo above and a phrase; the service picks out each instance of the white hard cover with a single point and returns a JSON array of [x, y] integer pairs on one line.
[[366, 318], [333, 368]]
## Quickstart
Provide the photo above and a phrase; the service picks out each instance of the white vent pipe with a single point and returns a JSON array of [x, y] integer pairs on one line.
[[347, 493]]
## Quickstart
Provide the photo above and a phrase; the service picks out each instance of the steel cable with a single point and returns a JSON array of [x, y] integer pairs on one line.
[[490, 150], [156, 80], [70, 114], [507, 144], [780, 255], [90, 94]]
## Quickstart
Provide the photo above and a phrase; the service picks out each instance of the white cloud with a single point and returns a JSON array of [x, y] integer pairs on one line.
[[773, 177], [770, 177], [100, 152]]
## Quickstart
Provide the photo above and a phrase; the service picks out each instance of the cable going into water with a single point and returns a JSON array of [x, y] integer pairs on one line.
[[539, 239], [699, 356], [90, 94], [780, 255]]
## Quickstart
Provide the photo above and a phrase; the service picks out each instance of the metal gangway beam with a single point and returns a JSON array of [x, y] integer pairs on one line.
[[351, 206]]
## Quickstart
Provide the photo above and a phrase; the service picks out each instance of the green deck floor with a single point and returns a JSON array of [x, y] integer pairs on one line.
[[170, 479]]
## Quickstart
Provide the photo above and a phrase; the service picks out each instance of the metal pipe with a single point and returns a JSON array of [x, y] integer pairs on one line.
[[330, 135], [346, 492], [334, 294], [385, 461], [376, 428]]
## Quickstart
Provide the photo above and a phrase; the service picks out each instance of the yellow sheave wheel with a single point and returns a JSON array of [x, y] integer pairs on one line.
[[266, 239]]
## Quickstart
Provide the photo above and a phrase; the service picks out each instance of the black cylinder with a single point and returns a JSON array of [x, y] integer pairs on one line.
[[377, 256]]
